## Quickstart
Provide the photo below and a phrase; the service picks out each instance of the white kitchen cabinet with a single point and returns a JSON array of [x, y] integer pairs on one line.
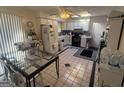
[[109, 76], [111, 67], [66, 38], [83, 41], [77, 24]]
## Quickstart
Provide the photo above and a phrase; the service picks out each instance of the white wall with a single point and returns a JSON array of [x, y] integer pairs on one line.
[[121, 48], [51, 21], [96, 34], [101, 24], [114, 32]]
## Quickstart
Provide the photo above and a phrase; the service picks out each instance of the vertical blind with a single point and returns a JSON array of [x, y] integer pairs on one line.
[[11, 31]]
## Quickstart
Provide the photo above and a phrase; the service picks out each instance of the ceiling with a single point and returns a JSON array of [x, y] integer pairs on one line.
[[93, 10]]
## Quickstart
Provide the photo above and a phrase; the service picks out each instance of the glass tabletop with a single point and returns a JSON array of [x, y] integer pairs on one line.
[[28, 65], [28, 62], [31, 61]]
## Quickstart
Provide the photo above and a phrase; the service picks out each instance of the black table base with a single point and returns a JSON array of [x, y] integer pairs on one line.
[[56, 60]]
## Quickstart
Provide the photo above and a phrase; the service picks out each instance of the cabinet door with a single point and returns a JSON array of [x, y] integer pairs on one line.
[[110, 78], [83, 41]]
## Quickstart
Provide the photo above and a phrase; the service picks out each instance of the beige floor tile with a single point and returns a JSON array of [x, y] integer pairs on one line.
[[52, 81], [62, 79], [77, 80], [84, 84], [66, 75], [71, 77], [74, 76], [69, 71], [80, 72], [82, 68], [45, 82], [75, 70], [68, 83], [80, 76], [59, 84], [75, 84]]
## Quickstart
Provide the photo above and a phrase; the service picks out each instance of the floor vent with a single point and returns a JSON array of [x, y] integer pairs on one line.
[[67, 65]]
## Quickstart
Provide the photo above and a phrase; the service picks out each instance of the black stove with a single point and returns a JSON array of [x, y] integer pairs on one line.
[[76, 40]]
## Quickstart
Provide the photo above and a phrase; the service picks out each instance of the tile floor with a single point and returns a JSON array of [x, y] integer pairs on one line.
[[77, 75]]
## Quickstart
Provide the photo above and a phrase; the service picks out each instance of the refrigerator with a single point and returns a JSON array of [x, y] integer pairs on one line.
[[49, 38]]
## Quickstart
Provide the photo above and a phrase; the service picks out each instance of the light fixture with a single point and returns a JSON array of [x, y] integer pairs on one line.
[[84, 20], [65, 14], [85, 14], [74, 16]]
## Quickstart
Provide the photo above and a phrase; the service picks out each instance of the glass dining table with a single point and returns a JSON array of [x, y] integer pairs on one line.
[[29, 65]]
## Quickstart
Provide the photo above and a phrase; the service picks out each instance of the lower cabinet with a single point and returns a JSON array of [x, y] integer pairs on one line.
[[110, 77], [83, 41]]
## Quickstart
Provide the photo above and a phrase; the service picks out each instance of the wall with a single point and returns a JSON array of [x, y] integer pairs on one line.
[[26, 14], [37, 18], [102, 21], [115, 30], [48, 20], [114, 33], [121, 48]]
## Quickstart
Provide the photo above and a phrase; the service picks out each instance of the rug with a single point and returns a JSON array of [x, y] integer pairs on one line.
[[88, 54]]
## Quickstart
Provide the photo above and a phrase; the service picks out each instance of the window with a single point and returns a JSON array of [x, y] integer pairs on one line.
[[11, 31]]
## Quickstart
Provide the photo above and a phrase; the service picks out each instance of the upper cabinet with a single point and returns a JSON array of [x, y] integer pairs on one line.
[[76, 24]]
